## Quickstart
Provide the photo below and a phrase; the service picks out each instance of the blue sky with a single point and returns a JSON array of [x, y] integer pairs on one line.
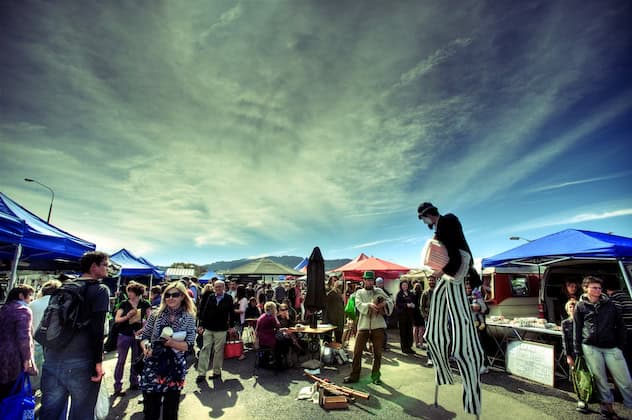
[[203, 131]]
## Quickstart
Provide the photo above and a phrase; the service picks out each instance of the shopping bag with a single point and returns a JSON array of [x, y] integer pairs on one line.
[[102, 408], [233, 349], [248, 335], [350, 309], [20, 404], [583, 381]]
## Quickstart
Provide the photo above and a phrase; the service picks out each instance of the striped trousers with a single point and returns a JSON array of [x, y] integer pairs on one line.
[[450, 332]]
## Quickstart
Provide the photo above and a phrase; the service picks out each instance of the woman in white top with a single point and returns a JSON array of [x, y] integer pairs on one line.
[[241, 303]]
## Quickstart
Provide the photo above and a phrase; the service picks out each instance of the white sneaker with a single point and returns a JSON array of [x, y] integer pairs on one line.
[[484, 370], [429, 363]]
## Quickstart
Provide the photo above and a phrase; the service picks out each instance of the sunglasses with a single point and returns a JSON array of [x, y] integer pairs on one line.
[[283, 309], [173, 295]]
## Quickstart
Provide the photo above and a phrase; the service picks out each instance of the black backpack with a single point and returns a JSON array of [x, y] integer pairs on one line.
[[66, 313]]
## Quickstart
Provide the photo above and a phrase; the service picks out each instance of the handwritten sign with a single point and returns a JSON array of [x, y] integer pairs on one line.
[[533, 361]]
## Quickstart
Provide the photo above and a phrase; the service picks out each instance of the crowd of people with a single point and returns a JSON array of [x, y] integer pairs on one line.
[[159, 326]]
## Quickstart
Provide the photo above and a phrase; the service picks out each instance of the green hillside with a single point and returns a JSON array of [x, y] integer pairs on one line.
[[286, 260]]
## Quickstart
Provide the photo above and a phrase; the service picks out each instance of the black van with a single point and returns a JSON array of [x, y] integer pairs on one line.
[[557, 273]]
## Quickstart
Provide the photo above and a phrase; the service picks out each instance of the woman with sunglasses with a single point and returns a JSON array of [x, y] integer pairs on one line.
[[167, 336]]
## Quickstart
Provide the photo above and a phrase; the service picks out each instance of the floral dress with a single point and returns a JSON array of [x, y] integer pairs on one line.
[[166, 369]]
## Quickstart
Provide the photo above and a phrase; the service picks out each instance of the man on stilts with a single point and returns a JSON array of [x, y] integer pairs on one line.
[[449, 305]]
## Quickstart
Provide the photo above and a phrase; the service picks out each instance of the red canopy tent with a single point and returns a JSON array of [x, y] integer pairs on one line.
[[382, 268], [352, 263]]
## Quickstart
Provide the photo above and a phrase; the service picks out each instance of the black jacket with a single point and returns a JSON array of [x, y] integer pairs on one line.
[[597, 324], [216, 317], [450, 234]]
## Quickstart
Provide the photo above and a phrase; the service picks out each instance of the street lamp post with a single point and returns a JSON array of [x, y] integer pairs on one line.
[[50, 208], [517, 238]]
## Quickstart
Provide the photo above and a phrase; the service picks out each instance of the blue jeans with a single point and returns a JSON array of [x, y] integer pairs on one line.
[[65, 378], [597, 359]]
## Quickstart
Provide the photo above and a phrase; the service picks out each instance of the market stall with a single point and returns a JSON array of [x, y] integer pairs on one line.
[[540, 356]]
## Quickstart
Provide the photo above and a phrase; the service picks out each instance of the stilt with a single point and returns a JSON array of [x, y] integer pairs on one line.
[[436, 401]]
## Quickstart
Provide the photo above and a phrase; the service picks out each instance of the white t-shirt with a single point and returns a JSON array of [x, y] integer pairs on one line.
[[243, 304]]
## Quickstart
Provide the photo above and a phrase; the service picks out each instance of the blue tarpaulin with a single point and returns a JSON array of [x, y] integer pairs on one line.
[[160, 272], [11, 228], [569, 243], [40, 241], [209, 275], [133, 266], [302, 264]]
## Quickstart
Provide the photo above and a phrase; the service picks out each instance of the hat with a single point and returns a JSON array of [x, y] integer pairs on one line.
[[368, 275], [425, 208], [379, 280]]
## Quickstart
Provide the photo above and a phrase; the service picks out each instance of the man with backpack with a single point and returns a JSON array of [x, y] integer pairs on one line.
[[71, 332]]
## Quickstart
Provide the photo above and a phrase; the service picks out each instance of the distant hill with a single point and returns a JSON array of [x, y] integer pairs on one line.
[[286, 260]]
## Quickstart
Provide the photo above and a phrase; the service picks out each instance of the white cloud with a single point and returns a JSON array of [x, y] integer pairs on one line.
[[579, 181], [276, 127], [570, 220], [374, 243], [436, 58]]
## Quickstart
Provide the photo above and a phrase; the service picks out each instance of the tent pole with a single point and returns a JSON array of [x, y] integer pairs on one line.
[[14, 267], [151, 278]]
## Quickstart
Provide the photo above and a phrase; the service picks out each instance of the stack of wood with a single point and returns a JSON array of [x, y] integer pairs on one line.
[[332, 396]]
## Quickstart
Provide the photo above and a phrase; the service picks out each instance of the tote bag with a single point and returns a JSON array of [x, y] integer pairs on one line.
[[248, 336], [20, 404], [234, 347], [350, 309], [583, 381]]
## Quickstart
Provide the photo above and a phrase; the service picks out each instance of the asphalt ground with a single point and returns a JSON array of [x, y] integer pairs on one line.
[[407, 392]]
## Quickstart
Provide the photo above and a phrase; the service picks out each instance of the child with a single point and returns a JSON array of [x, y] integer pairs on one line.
[[567, 343], [479, 309]]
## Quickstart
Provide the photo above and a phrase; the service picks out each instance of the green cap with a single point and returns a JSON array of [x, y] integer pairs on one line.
[[368, 275]]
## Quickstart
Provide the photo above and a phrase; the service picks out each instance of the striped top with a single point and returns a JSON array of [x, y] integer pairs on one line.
[[624, 304]]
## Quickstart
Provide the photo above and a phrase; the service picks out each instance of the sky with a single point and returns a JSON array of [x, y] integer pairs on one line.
[[205, 131]]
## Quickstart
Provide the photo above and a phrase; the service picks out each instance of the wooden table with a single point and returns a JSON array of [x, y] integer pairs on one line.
[[313, 342], [309, 330]]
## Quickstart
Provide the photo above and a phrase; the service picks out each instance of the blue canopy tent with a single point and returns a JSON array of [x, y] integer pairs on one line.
[[11, 228], [567, 244], [300, 266], [26, 239], [158, 270], [133, 266], [206, 277]]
